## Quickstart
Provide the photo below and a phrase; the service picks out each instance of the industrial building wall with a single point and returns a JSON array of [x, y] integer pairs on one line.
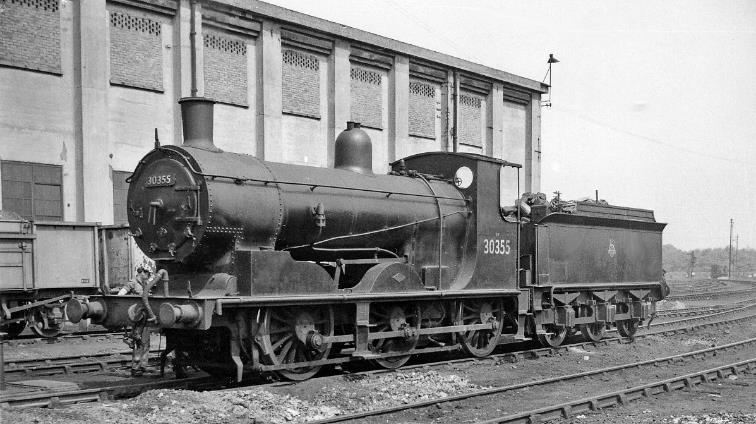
[[84, 86], [36, 99]]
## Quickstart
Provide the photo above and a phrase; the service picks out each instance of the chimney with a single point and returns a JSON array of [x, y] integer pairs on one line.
[[354, 150], [197, 122]]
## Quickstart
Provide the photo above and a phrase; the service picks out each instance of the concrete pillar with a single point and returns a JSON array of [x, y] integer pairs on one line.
[[94, 180], [495, 121], [398, 113], [532, 163], [339, 108], [269, 79]]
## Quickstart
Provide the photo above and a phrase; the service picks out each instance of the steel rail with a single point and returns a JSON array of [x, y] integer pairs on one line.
[[687, 313], [342, 360], [60, 398], [711, 295], [91, 363], [33, 339], [75, 364], [704, 317], [46, 399], [622, 397], [697, 309], [558, 379]]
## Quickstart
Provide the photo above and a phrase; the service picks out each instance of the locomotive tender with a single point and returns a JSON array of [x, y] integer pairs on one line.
[[279, 268]]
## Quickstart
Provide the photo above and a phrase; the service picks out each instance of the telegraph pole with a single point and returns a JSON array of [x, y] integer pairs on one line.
[[729, 260], [735, 259]]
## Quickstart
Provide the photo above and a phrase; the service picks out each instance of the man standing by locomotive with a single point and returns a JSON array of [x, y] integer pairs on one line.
[[139, 337]]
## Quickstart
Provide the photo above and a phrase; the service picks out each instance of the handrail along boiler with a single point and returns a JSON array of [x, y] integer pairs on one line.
[[281, 268]]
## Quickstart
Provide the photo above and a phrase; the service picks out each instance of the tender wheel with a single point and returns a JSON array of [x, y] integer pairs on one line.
[[42, 326], [294, 335], [555, 339], [13, 329], [627, 328], [481, 342], [593, 332], [392, 317]]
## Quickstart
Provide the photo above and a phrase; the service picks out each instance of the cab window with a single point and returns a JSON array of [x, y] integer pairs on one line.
[[509, 187]]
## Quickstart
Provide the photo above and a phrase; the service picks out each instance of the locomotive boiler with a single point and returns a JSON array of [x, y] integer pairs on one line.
[[280, 268]]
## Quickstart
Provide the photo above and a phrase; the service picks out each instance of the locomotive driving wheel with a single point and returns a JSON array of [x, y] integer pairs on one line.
[[295, 335], [481, 342], [393, 317]]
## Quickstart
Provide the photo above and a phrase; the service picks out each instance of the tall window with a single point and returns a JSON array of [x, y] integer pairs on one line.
[[120, 192], [33, 190]]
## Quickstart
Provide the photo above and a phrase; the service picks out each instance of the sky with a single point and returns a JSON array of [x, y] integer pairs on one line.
[[653, 102]]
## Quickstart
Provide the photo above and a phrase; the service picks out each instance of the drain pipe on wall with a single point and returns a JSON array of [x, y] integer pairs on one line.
[[455, 114], [193, 45]]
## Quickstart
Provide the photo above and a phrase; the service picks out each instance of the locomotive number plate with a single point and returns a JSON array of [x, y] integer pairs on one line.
[[160, 181], [496, 247]]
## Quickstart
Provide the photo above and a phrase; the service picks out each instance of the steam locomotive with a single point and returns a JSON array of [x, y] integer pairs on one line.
[[278, 268]]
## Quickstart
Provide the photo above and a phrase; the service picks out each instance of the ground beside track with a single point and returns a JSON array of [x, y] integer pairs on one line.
[[731, 400]]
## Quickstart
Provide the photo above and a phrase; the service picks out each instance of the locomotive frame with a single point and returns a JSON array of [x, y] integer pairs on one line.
[[284, 269]]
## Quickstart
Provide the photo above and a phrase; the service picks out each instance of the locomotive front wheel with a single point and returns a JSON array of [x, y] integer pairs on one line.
[[392, 317], [593, 332], [627, 327], [556, 336], [481, 343], [295, 335]]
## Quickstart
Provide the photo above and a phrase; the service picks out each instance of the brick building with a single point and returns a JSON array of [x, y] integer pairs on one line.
[[84, 85]]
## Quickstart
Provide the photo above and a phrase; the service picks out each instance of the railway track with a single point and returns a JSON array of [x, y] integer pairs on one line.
[[688, 312], [712, 295], [126, 389], [565, 410], [97, 394], [622, 397], [92, 363], [27, 339], [75, 364], [718, 314], [89, 363]]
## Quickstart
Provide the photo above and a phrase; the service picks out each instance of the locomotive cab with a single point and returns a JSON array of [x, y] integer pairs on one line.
[[488, 184]]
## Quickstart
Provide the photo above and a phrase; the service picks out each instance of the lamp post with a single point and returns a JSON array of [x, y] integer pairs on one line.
[[729, 259], [551, 61]]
